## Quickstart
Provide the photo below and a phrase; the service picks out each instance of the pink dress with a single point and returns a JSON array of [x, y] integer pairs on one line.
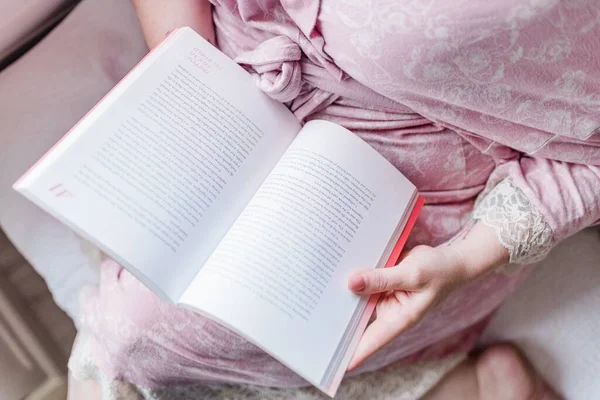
[[495, 101]]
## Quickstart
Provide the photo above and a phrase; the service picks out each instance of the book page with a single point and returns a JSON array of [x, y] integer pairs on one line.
[[330, 206], [159, 170]]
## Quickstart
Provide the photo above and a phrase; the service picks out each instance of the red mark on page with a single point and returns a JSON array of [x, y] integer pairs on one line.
[[203, 61], [60, 191]]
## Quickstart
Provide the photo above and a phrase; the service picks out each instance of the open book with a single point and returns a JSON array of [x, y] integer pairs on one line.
[[215, 197]]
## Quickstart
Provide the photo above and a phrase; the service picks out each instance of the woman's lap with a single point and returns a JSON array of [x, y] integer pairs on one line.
[[133, 336]]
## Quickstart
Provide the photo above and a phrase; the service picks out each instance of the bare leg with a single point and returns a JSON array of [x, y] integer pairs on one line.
[[499, 373]]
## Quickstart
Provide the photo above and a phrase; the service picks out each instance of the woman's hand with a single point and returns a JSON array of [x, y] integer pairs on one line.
[[423, 279]]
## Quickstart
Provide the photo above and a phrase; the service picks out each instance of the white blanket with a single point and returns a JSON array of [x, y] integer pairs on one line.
[[555, 317]]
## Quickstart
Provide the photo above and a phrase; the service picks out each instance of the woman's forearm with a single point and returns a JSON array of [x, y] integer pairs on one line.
[[157, 17]]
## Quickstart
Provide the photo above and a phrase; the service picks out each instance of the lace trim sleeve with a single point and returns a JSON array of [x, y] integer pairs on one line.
[[520, 226]]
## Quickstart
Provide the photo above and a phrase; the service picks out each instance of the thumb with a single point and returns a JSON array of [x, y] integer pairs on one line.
[[378, 280]]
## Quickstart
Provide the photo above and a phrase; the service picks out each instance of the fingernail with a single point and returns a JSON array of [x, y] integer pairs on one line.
[[357, 282]]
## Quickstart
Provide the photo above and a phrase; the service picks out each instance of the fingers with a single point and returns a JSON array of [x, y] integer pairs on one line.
[[383, 330], [376, 335]]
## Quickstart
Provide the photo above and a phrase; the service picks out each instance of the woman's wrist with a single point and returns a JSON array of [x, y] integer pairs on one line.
[[475, 251]]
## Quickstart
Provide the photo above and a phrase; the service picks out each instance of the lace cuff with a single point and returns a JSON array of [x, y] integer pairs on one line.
[[520, 226]]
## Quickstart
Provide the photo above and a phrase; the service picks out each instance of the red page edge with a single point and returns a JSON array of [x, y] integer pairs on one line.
[[366, 317], [16, 184], [412, 219]]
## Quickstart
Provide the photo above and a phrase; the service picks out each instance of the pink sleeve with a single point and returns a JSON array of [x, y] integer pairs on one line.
[[567, 194], [533, 202]]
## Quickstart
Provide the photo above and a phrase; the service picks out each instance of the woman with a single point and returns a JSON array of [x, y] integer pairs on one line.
[[492, 110]]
